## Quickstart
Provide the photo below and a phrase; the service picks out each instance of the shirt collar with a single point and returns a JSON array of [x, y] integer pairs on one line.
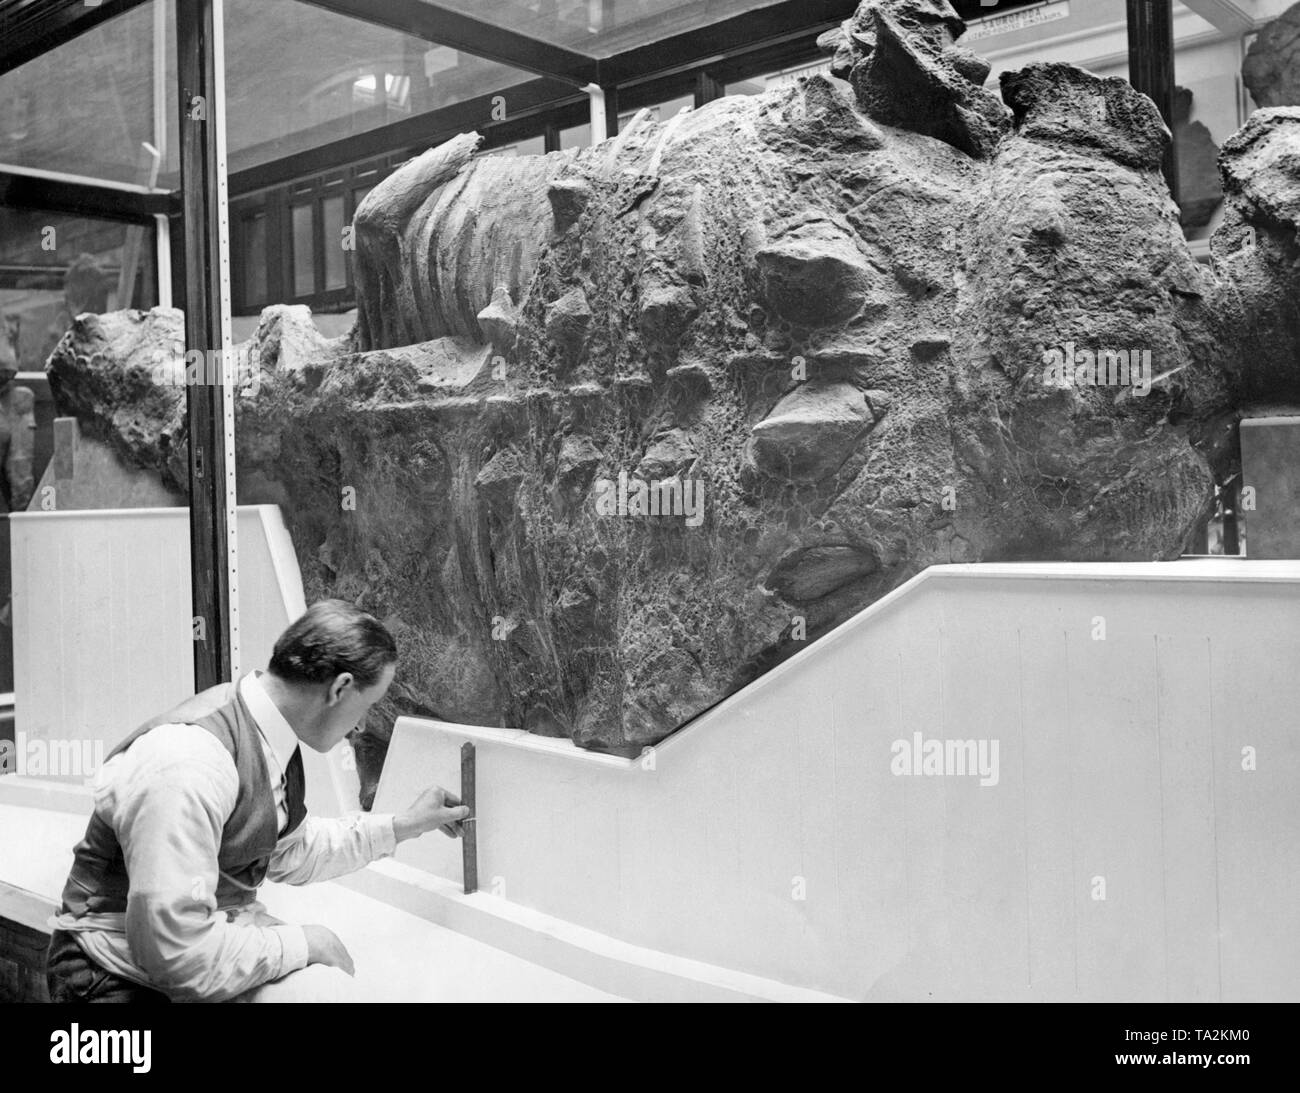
[[275, 730]]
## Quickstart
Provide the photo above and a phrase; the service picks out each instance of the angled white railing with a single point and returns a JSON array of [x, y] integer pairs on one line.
[[1132, 834]]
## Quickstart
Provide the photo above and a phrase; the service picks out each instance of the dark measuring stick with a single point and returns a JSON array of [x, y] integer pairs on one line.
[[469, 840]]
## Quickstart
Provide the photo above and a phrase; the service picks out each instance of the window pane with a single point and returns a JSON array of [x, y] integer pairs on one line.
[[669, 110], [577, 137], [336, 272], [532, 146], [787, 77], [54, 267], [89, 106], [299, 77], [603, 28], [254, 261], [754, 86], [304, 264]]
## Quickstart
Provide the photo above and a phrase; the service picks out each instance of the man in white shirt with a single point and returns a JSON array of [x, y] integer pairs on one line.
[[199, 805]]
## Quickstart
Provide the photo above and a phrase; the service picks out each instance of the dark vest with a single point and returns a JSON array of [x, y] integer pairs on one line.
[[99, 883]]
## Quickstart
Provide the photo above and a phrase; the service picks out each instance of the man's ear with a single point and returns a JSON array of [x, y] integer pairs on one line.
[[338, 687]]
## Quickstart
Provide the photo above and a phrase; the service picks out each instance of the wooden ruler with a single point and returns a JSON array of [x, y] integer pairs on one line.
[[469, 840]]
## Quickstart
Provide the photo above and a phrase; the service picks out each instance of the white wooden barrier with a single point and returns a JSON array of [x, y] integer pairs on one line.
[[1141, 841], [102, 635]]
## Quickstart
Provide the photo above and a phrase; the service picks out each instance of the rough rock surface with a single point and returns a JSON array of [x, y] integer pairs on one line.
[[1200, 191], [1258, 254], [103, 373], [907, 70], [826, 308], [1271, 70]]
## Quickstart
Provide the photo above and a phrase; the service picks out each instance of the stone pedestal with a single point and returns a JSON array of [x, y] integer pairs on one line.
[[1270, 462]]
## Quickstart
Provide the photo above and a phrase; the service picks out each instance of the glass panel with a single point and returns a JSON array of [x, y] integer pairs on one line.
[[663, 111], [299, 77], [336, 269], [304, 254], [52, 268], [359, 195], [603, 28], [772, 81], [254, 260], [673, 107], [89, 107], [577, 137], [532, 146], [753, 86]]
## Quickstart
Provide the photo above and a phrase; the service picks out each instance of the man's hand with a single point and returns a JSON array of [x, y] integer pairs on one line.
[[434, 808], [324, 947]]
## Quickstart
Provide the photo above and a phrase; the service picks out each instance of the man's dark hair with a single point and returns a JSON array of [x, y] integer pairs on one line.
[[333, 637]]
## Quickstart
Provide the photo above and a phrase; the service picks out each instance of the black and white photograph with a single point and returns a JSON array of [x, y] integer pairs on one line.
[[664, 501]]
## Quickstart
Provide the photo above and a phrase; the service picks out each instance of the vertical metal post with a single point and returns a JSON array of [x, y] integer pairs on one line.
[[1229, 501], [163, 248], [611, 111], [162, 237], [469, 840], [159, 56], [227, 343], [1151, 65], [707, 89], [209, 413], [596, 97]]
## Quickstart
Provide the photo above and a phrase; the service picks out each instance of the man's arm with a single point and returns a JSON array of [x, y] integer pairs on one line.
[[320, 849], [168, 816]]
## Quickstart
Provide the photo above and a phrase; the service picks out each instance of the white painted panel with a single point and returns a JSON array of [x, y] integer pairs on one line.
[[101, 614], [1118, 758], [1256, 693], [1048, 869], [984, 839], [1187, 800], [102, 632], [1113, 786]]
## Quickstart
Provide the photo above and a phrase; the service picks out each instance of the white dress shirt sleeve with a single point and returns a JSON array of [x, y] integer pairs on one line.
[[320, 849], [168, 806]]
